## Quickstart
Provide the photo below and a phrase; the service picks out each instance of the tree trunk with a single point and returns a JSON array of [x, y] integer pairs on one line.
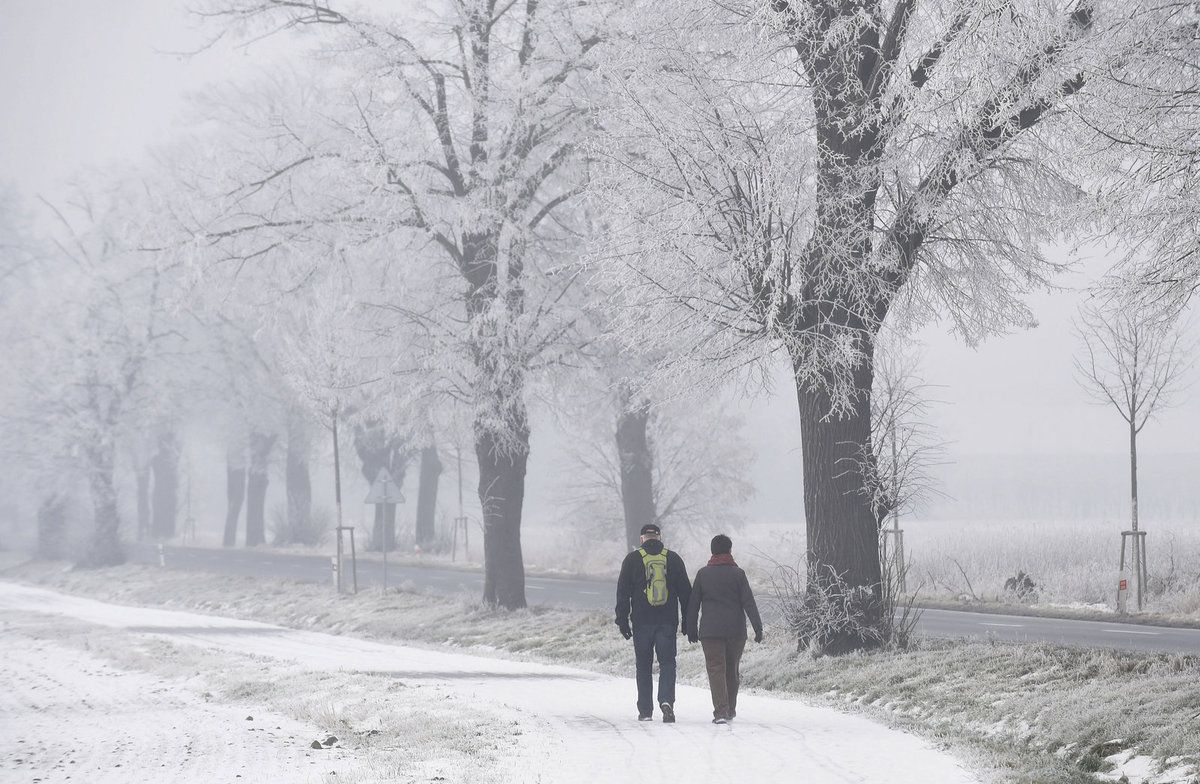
[[52, 528], [143, 502], [427, 490], [637, 468], [258, 478], [1139, 574], [842, 530], [165, 498], [502, 465], [1133, 490], [298, 483], [378, 449], [502, 428], [105, 549], [235, 493]]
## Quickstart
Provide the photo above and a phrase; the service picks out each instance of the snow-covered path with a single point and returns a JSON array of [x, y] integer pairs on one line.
[[66, 715], [575, 726]]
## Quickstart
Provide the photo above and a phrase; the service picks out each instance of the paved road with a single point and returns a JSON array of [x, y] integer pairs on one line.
[[599, 595]]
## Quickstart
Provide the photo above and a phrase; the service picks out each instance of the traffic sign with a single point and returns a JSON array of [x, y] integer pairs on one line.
[[384, 490]]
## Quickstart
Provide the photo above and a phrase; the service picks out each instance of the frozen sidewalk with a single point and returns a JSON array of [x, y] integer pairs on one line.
[[576, 726]]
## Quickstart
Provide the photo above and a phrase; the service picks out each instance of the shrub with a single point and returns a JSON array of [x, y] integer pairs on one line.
[[1021, 587], [310, 532]]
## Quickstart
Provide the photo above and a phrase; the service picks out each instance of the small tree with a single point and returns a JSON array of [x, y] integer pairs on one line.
[[904, 446], [1133, 358], [903, 449]]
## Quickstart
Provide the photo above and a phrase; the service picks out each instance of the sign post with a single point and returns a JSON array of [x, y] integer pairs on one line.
[[1137, 544], [383, 493], [461, 520]]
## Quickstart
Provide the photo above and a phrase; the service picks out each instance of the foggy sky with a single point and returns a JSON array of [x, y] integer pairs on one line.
[[87, 83]]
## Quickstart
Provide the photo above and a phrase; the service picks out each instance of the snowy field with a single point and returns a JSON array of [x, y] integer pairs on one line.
[[1072, 563], [547, 723]]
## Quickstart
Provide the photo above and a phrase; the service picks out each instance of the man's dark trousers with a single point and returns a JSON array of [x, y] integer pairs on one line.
[[650, 641]]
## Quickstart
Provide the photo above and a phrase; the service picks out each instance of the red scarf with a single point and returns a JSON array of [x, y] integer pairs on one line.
[[722, 558]]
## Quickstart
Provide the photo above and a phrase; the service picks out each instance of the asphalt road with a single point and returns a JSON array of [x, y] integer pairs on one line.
[[600, 595]]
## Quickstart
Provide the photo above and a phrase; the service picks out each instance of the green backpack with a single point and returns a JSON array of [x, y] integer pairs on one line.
[[656, 576]]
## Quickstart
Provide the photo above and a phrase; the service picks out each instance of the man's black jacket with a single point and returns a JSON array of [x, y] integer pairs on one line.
[[631, 590]]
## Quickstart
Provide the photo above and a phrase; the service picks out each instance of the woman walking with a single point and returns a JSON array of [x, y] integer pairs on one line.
[[720, 603]]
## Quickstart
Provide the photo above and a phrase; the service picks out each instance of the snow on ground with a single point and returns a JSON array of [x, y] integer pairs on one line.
[[66, 715], [572, 725]]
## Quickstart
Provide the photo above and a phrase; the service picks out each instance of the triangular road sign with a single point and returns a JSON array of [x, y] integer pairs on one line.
[[384, 490]]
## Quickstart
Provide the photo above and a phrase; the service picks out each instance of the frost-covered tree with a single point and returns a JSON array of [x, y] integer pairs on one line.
[[99, 336], [790, 172], [696, 459], [1141, 141], [244, 389], [457, 128], [39, 460]]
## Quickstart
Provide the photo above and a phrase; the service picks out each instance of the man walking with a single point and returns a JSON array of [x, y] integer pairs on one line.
[[652, 590], [716, 616]]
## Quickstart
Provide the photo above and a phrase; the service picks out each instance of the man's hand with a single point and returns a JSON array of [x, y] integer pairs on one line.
[[625, 632], [758, 637]]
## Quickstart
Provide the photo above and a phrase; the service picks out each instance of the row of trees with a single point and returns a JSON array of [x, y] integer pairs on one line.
[[480, 202]]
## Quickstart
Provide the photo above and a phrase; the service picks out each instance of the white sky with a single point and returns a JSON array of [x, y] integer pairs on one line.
[[87, 83]]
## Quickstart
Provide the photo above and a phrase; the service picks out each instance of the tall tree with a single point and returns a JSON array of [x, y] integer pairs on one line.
[[635, 461], [165, 498], [462, 128], [427, 492], [697, 460], [379, 448], [258, 477], [100, 330], [1139, 144], [799, 170], [297, 482], [235, 492]]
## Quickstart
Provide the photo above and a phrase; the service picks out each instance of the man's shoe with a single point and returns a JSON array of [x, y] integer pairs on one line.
[[720, 720], [645, 718], [668, 712]]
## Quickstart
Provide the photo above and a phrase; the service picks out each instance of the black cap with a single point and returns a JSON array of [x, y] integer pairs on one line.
[[650, 529]]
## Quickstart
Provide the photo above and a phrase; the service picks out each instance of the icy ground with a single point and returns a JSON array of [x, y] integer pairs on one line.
[[72, 714]]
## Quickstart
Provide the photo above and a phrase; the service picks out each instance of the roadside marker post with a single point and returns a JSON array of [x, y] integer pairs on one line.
[[341, 553], [461, 520], [1136, 541], [384, 492], [1122, 594]]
